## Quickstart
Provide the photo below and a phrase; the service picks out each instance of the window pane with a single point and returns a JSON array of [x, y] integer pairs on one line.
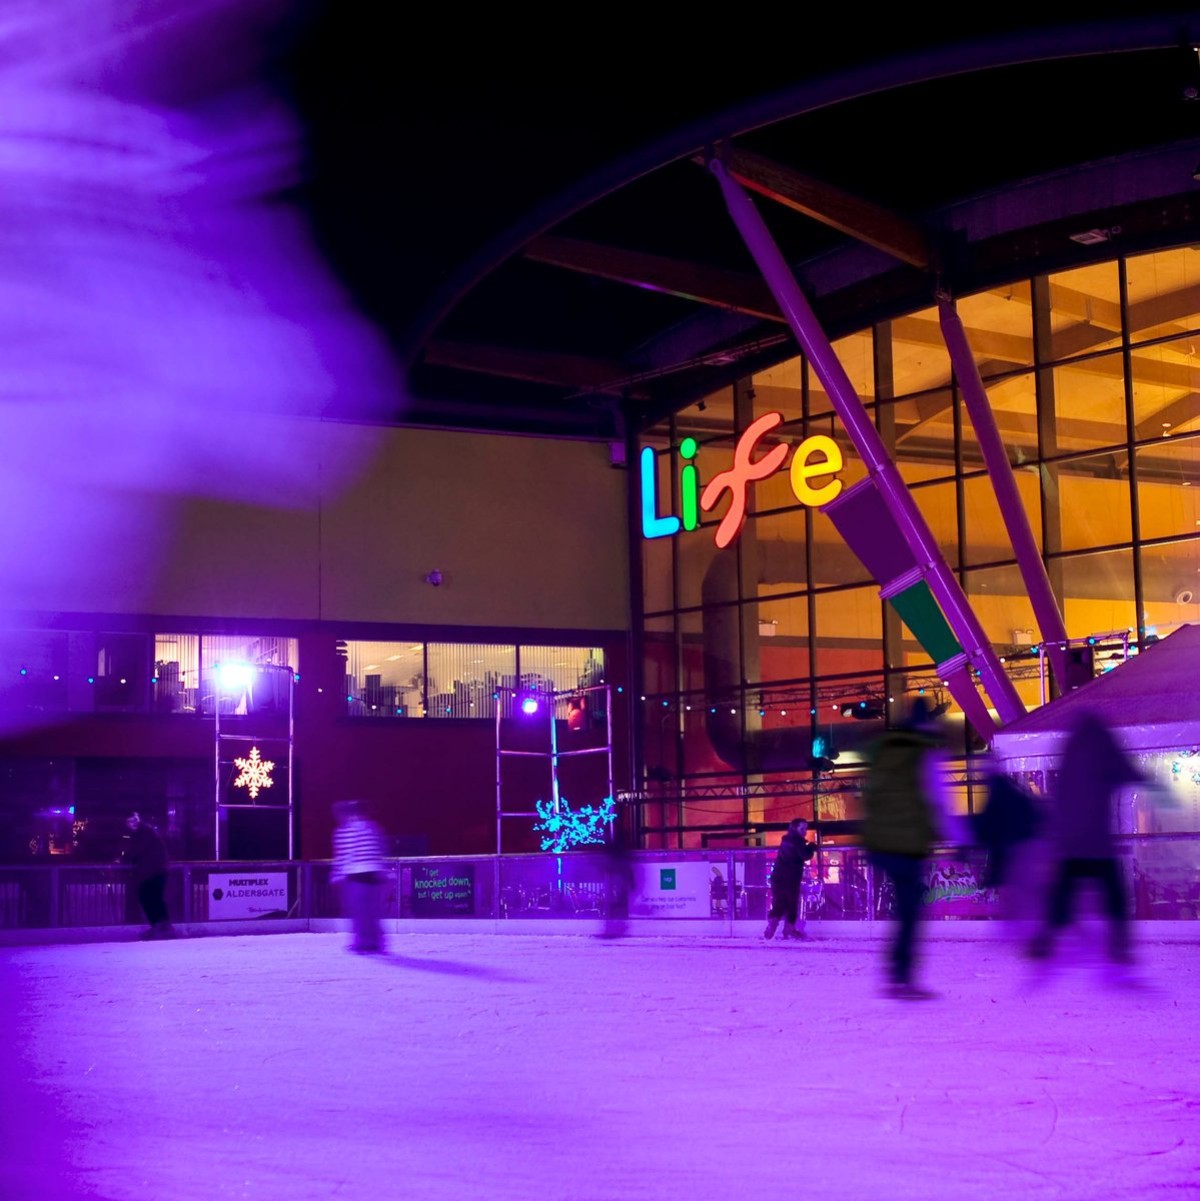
[[1087, 401], [849, 631], [712, 657], [657, 590], [999, 326], [1162, 292], [919, 432], [987, 539], [1013, 402], [122, 673], [857, 357], [777, 390], [385, 679], [773, 553], [1094, 505], [922, 429], [1166, 384], [778, 630], [1098, 593], [850, 712], [464, 678], [33, 670], [707, 574], [1168, 485], [1085, 310], [1171, 583], [217, 650], [176, 679], [920, 360], [1001, 602], [658, 654], [938, 504], [563, 668]]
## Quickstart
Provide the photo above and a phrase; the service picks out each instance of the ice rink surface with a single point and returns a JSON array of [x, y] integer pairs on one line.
[[562, 1066]]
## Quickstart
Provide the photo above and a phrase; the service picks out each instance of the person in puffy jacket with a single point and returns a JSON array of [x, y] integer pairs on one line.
[[786, 877], [904, 798]]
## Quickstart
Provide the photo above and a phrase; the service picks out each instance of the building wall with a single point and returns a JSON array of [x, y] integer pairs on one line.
[[318, 531], [344, 523], [754, 654]]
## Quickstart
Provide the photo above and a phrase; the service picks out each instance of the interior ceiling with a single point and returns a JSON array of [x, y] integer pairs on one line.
[[528, 216]]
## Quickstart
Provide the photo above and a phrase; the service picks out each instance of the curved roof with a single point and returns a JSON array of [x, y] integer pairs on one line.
[[522, 204]]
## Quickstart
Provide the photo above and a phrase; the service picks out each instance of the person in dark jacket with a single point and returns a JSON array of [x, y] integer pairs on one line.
[[904, 798], [786, 877], [1010, 816], [146, 853], [1092, 771]]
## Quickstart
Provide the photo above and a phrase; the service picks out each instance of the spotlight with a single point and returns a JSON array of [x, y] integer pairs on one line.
[[529, 705], [235, 677]]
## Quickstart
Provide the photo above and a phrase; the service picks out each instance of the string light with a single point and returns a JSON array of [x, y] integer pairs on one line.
[[567, 827]]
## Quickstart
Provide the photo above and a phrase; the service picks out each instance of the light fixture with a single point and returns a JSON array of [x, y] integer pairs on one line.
[[1094, 237], [234, 677]]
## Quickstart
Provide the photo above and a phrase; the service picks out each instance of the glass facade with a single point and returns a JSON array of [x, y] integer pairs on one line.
[[457, 679], [90, 671], [763, 658]]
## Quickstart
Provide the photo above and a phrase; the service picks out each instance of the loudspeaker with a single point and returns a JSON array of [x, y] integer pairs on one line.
[[1080, 666]]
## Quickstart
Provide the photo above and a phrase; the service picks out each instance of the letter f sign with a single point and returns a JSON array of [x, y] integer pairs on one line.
[[738, 478]]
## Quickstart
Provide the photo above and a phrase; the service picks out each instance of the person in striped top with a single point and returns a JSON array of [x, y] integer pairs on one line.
[[358, 870]]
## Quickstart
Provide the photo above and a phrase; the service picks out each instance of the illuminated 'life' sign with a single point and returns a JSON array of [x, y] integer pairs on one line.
[[815, 457]]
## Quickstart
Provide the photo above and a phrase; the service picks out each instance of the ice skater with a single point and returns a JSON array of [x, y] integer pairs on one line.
[[904, 795], [1093, 770], [358, 868], [618, 884], [787, 875], [146, 853]]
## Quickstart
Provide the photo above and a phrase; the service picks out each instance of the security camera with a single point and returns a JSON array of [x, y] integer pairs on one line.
[[434, 578]]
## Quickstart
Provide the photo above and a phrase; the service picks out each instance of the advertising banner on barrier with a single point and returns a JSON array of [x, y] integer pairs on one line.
[[247, 894], [443, 890], [670, 890]]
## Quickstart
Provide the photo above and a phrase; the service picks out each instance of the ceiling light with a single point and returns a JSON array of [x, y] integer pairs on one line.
[[1093, 237]]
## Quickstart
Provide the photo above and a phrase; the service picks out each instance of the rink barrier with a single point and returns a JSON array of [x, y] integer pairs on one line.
[[722, 892]]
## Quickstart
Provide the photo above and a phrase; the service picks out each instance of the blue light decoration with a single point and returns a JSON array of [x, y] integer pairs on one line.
[[1185, 768], [569, 827]]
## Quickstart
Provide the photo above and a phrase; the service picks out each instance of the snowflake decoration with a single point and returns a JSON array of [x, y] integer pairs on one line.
[[573, 827], [256, 773]]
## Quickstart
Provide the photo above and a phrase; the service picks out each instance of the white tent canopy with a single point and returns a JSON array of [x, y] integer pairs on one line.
[[1151, 702]]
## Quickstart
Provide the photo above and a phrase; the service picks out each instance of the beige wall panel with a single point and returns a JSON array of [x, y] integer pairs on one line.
[[336, 521], [526, 532]]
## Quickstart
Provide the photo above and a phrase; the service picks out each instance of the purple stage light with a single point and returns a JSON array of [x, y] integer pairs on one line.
[[529, 706]]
